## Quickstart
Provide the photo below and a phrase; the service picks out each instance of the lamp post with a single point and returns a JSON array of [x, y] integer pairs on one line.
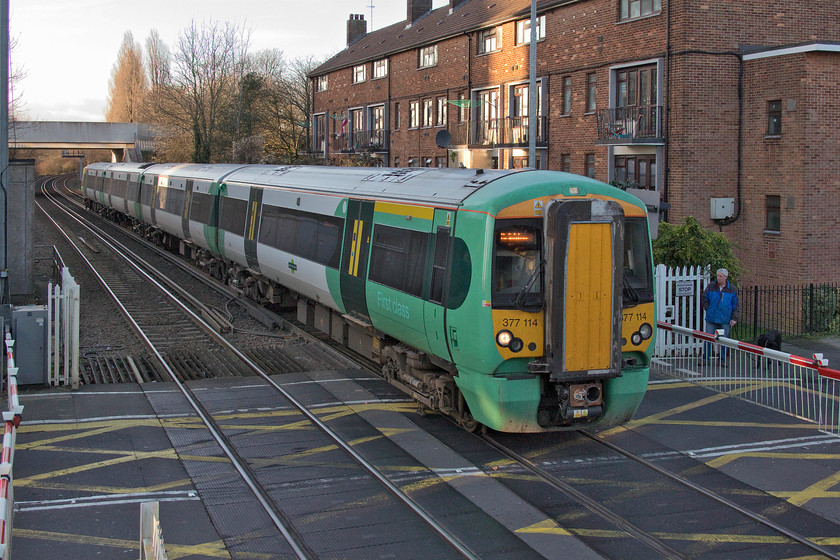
[[532, 91]]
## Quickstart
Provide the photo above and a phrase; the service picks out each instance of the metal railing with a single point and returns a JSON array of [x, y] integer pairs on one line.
[[622, 125], [63, 310], [803, 387], [375, 140], [791, 310], [507, 131]]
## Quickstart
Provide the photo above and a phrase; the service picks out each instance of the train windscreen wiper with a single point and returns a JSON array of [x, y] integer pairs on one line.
[[630, 292], [520, 301]]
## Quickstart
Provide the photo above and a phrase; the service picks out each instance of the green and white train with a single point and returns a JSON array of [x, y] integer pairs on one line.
[[521, 300]]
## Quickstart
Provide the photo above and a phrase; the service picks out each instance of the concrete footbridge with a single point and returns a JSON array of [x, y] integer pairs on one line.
[[126, 141]]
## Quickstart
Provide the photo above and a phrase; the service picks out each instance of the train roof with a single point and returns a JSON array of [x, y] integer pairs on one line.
[[419, 184]]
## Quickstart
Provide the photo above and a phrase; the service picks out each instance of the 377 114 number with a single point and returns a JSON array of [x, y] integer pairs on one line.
[[634, 316], [511, 323]]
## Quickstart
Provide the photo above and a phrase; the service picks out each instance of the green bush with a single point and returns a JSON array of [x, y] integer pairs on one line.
[[691, 244]]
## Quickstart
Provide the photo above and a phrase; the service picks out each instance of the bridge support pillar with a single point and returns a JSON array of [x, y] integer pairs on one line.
[[20, 216]]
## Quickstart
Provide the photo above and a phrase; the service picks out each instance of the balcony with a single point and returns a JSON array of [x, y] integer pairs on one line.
[[358, 141], [506, 132], [630, 125]]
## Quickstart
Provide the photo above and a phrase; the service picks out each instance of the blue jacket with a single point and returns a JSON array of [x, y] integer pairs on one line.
[[721, 305]]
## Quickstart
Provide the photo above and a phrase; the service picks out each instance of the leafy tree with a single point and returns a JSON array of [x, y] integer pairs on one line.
[[691, 244], [128, 85]]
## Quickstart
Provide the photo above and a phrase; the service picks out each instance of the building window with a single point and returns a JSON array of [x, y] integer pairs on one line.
[[489, 40], [774, 213], [380, 68], [637, 172], [589, 163], [428, 112], [566, 163], [413, 161], [359, 73], [397, 115], [590, 92], [567, 95], [441, 111], [321, 83], [523, 30], [636, 87], [630, 9], [774, 118], [396, 161], [463, 108], [440, 161], [427, 57], [414, 114]]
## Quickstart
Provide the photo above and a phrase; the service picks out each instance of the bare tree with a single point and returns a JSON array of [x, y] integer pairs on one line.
[[286, 109], [127, 86], [203, 83]]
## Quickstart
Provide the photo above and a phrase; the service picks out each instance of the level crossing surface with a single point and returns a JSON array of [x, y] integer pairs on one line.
[[86, 459]]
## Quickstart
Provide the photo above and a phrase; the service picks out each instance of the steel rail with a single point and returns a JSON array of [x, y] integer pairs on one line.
[[447, 536], [793, 535], [640, 534], [299, 548]]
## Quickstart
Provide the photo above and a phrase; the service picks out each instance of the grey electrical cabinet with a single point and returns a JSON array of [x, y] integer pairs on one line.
[[30, 331]]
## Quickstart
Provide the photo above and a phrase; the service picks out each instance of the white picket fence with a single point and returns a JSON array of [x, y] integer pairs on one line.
[[63, 311], [678, 293]]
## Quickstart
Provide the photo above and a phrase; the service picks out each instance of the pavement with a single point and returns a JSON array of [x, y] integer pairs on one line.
[[829, 347]]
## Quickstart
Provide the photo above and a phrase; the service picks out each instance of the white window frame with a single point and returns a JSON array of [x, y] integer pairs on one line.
[[427, 57], [359, 73], [428, 113], [380, 68], [523, 30], [413, 114], [442, 112], [321, 83], [490, 40]]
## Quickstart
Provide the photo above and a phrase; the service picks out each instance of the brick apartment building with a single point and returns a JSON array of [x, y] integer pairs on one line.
[[728, 110]]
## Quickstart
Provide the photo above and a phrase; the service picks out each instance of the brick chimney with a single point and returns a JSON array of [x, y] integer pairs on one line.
[[418, 8], [356, 28]]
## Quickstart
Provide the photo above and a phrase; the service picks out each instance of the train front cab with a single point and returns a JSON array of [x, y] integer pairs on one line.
[[572, 307]]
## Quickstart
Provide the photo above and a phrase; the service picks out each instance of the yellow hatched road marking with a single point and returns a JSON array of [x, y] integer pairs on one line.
[[215, 549]]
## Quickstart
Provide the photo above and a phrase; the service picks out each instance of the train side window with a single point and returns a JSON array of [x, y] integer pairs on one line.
[[132, 189], [461, 275], [174, 201], [398, 257], [303, 234], [232, 215], [201, 207]]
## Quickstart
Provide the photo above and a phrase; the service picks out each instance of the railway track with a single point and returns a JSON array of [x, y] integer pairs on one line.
[[622, 505], [167, 332], [695, 512]]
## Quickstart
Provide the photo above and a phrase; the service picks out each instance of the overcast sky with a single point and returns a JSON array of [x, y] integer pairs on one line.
[[67, 48]]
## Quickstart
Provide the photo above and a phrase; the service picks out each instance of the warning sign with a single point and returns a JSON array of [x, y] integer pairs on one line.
[[538, 208]]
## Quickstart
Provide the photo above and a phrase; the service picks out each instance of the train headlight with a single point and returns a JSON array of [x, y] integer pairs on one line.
[[503, 338], [516, 345], [636, 338], [646, 331]]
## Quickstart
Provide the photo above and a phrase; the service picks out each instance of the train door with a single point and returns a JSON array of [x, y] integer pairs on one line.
[[354, 257], [252, 227], [584, 241], [434, 310], [185, 215]]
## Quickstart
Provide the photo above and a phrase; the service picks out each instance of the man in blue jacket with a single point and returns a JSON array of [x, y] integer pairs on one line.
[[720, 301]]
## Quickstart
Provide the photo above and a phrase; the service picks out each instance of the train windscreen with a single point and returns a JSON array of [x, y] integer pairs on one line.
[[638, 278], [518, 269]]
